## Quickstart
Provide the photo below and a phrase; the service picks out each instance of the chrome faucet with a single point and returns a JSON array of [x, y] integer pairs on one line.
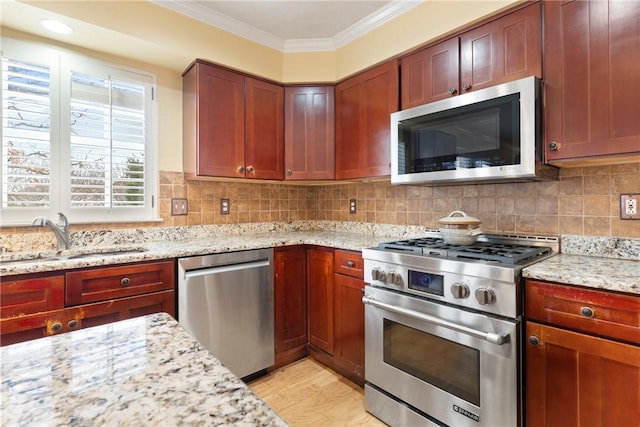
[[61, 230]]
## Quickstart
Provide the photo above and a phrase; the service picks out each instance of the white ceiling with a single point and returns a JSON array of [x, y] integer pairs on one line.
[[293, 25]]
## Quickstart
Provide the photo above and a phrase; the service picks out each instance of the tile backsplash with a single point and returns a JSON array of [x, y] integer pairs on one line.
[[585, 201]]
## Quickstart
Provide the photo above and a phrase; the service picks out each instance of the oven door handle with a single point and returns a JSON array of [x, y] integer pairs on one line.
[[488, 336]]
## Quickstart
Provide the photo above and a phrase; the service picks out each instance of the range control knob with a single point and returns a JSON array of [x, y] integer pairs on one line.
[[485, 296], [379, 274], [460, 290], [395, 278]]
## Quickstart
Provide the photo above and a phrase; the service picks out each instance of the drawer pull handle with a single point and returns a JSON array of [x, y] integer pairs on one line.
[[73, 323], [351, 264], [587, 311], [534, 340], [125, 281], [56, 327]]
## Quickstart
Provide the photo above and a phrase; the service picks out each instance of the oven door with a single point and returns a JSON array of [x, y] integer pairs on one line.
[[456, 366]]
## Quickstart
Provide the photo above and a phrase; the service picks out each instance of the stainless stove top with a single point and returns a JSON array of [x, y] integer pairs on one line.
[[497, 249], [485, 276]]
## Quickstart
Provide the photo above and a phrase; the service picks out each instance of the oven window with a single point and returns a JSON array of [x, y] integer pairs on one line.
[[450, 366]]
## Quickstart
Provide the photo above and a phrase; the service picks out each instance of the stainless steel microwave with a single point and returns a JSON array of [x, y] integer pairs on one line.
[[489, 135]]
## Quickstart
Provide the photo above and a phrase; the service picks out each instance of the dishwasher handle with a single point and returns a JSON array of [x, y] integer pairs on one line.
[[225, 268]]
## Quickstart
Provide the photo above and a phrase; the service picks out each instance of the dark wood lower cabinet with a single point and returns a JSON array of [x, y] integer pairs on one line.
[[320, 298], [349, 326], [36, 306], [574, 379], [290, 304]]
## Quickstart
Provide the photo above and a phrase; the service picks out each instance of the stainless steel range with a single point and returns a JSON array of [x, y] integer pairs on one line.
[[443, 329]]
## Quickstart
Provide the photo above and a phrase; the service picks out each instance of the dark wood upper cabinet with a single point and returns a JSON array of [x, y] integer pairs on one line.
[[233, 124], [309, 132], [264, 140], [507, 48], [363, 105], [592, 80], [430, 74]]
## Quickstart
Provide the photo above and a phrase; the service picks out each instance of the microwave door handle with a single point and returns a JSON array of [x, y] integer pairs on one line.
[[488, 336]]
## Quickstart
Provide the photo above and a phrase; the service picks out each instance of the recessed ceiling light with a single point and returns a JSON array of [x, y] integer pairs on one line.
[[57, 27]]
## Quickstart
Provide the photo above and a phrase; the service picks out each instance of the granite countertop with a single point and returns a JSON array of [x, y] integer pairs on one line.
[[621, 275], [141, 371], [182, 248]]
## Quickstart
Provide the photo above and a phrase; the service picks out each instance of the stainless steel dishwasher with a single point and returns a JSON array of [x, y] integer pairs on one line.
[[226, 302]]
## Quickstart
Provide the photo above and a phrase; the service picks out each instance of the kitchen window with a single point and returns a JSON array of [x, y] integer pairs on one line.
[[78, 136]]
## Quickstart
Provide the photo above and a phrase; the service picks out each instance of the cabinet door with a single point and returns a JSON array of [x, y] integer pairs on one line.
[[579, 380], [508, 48], [31, 295], [264, 139], [320, 298], [309, 142], [363, 105], [430, 74], [213, 122], [591, 69], [349, 322], [29, 327], [290, 298], [101, 313]]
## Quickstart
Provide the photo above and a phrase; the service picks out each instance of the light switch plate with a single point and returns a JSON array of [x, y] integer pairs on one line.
[[179, 206]]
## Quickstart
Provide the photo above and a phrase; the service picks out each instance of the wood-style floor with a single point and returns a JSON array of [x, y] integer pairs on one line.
[[306, 393]]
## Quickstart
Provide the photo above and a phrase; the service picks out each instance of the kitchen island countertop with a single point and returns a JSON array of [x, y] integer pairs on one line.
[[142, 371]]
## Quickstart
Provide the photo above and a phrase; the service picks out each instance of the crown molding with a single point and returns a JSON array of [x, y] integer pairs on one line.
[[226, 23]]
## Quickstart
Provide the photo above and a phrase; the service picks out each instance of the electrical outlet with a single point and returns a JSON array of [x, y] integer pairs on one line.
[[179, 207], [630, 206], [225, 207], [353, 206]]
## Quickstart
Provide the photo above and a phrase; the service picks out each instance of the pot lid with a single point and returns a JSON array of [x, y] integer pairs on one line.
[[459, 217]]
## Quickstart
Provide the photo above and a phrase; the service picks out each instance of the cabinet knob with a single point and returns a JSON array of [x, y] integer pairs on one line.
[[351, 264], [241, 169], [289, 172], [587, 311], [125, 281], [534, 340], [466, 86], [452, 90], [554, 146], [73, 323], [56, 327], [250, 169]]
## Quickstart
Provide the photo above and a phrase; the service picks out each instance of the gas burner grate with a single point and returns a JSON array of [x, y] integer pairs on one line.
[[485, 251]]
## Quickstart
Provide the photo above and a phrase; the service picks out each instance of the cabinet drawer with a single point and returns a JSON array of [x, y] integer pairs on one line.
[[100, 284], [27, 296], [599, 312], [349, 263]]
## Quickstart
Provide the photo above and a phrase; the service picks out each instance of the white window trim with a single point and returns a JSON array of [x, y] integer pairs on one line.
[[61, 62]]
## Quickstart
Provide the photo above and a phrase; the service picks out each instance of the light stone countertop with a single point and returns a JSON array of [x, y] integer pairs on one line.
[[621, 275], [142, 371], [156, 250]]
